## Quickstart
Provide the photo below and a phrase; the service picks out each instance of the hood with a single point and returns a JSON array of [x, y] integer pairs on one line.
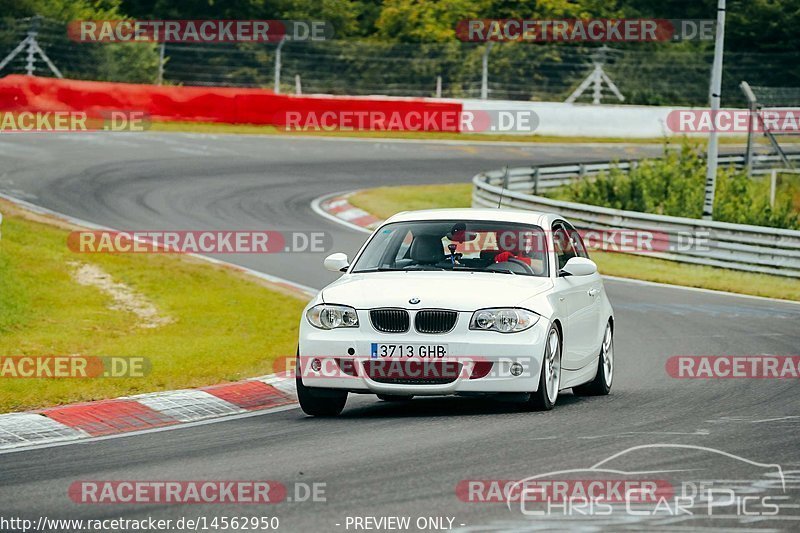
[[461, 291]]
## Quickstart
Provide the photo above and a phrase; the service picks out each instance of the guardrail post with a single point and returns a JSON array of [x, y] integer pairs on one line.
[[162, 50], [485, 71], [581, 170], [752, 106], [536, 181], [277, 75]]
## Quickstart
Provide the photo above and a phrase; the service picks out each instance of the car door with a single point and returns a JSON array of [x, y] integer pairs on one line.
[[578, 296], [596, 327]]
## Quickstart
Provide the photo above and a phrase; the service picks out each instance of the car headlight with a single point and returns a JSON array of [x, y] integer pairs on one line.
[[327, 316], [504, 320]]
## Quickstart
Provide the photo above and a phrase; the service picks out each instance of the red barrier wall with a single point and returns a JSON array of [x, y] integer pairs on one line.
[[218, 104]]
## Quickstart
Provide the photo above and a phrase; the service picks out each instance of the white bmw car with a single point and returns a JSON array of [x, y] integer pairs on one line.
[[459, 301]]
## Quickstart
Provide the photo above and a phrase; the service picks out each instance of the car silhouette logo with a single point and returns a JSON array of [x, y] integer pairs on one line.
[[414, 301]]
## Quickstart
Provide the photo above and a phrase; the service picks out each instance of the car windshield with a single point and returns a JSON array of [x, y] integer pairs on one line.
[[457, 245]]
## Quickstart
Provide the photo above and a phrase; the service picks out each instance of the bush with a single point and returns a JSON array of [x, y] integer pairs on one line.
[[674, 185]]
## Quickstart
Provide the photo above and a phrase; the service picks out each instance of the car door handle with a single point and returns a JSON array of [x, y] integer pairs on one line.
[[594, 292]]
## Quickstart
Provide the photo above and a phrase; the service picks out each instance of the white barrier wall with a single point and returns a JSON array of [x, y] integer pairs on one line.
[[584, 120]]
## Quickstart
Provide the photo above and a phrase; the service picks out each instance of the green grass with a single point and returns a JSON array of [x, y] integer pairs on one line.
[[255, 129], [227, 326], [386, 201]]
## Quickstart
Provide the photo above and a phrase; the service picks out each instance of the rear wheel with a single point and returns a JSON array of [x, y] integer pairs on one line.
[[319, 402], [394, 398], [550, 377], [601, 384]]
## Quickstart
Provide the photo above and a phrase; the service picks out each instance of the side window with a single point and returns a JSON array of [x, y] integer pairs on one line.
[[563, 245], [576, 240]]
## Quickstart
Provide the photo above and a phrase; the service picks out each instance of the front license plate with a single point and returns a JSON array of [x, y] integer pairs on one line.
[[385, 350]]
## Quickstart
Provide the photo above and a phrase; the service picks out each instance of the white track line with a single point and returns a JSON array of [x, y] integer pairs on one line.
[[454, 142], [316, 207], [196, 423]]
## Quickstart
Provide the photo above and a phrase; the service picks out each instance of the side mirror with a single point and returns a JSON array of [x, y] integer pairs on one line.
[[336, 262], [579, 266]]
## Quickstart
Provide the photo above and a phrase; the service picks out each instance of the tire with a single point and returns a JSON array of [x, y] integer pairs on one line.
[[319, 402], [601, 384], [394, 398], [546, 396]]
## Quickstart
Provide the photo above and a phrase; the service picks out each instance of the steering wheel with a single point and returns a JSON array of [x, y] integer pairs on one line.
[[523, 264]]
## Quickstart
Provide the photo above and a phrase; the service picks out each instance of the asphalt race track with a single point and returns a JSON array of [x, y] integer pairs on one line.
[[382, 459]]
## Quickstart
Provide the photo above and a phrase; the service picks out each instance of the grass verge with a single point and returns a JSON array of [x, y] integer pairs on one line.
[[256, 129], [226, 325], [386, 201]]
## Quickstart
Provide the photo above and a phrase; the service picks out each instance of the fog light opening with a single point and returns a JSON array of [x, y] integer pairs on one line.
[[481, 369], [516, 369], [316, 365]]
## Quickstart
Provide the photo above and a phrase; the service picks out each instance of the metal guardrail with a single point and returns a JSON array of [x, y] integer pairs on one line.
[[721, 244], [536, 179]]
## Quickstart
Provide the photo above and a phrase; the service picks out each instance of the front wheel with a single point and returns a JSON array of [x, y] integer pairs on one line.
[[320, 402], [545, 397], [601, 384]]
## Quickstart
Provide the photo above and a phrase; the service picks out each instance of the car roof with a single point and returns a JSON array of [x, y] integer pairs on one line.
[[500, 215]]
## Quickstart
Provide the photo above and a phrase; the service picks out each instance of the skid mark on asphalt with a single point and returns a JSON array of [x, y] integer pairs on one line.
[[780, 419], [784, 420], [696, 433]]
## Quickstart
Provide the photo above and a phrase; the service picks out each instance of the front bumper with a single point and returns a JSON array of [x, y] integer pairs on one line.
[[465, 347]]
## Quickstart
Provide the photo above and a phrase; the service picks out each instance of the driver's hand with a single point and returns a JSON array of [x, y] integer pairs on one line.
[[502, 257]]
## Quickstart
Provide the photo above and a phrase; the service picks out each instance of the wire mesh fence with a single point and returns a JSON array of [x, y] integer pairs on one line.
[[645, 73]]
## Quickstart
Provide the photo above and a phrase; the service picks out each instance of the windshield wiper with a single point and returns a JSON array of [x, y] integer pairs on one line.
[[423, 267], [405, 269], [463, 268], [497, 271]]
